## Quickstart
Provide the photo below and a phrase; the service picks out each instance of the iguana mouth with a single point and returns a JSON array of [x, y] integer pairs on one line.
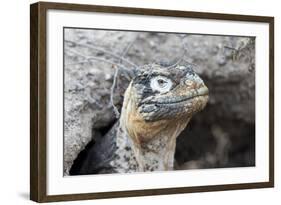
[[183, 100], [203, 91]]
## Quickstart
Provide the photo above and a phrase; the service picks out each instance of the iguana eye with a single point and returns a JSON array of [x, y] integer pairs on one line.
[[161, 84]]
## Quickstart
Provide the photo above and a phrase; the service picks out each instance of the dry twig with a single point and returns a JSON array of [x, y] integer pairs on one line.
[[101, 50], [91, 58]]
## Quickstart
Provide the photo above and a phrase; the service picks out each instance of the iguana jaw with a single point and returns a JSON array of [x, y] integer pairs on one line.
[[184, 103]]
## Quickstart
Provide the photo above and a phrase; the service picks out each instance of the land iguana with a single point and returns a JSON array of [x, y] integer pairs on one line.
[[158, 104]]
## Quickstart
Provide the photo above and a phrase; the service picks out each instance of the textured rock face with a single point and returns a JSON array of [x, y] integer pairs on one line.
[[86, 98], [86, 108], [223, 135]]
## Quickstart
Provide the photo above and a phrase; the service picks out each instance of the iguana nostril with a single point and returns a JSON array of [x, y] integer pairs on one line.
[[189, 83]]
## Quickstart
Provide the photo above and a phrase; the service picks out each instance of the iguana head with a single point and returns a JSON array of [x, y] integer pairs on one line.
[[158, 104], [168, 92]]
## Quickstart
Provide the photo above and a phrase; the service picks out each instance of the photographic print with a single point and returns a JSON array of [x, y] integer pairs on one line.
[[137, 101]]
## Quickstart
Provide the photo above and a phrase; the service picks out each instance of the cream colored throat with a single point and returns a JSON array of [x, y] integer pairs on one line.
[[158, 153]]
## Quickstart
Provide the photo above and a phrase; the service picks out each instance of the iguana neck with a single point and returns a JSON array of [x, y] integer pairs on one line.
[[154, 155], [158, 153]]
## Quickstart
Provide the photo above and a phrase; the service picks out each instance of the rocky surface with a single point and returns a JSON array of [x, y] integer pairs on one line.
[[223, 135]]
